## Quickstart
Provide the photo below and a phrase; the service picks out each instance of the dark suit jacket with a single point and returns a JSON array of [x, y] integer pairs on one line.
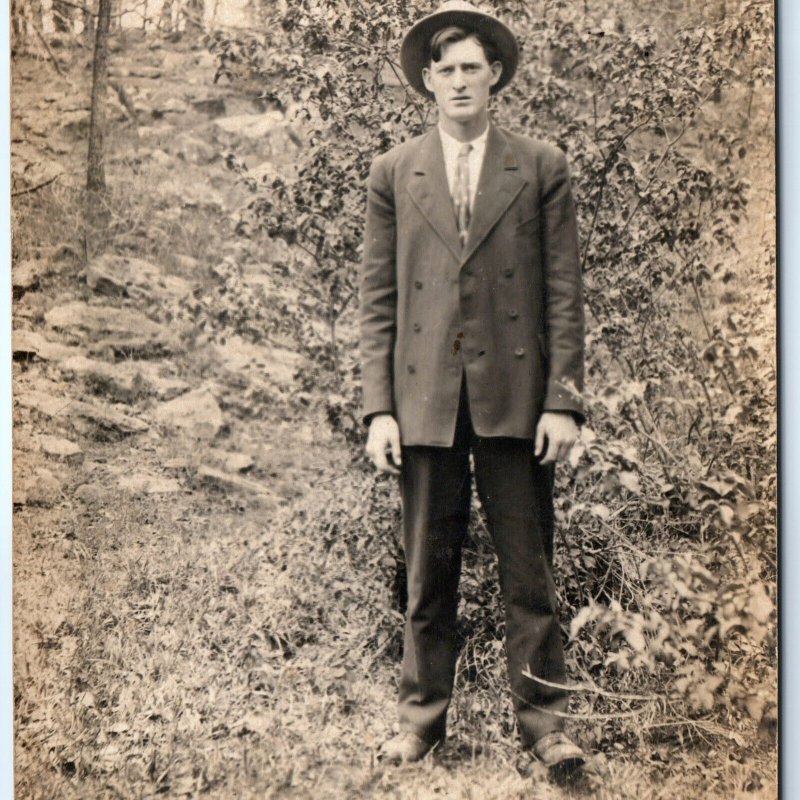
[[506, 309]]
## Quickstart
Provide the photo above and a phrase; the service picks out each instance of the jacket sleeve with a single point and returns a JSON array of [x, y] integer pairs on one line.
[[378, 294], [564, 320]]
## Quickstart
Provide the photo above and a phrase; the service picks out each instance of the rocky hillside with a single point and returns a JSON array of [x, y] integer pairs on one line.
[[120, 404]]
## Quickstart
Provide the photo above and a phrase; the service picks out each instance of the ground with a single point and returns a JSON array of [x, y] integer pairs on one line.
[[161, 476]]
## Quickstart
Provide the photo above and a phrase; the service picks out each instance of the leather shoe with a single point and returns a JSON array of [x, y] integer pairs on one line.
[[405, 747], [559, 753]]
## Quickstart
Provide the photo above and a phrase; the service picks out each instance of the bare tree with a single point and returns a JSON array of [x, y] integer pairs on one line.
[[96, 178]]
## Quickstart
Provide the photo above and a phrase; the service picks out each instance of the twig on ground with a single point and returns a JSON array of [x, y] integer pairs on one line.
[[577, 715], [50, 53], [38, 186], [578, 687]]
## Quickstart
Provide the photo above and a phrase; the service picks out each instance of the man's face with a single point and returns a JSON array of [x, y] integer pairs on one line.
[[461, 80]]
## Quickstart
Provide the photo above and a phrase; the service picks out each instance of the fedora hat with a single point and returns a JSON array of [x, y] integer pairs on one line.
[[415, 52]]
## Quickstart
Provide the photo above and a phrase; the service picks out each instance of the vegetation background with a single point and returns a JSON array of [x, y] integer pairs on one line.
[[208, 582]]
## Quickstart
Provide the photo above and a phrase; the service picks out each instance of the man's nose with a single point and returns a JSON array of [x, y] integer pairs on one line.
[[459, 79]]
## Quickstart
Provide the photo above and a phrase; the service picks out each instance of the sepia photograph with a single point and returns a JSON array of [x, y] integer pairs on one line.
[[394, 392]]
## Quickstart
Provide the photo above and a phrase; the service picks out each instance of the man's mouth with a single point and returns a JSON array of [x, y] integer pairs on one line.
[[460, 98]]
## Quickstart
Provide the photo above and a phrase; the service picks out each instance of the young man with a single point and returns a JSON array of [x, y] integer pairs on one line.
[[472, 342]]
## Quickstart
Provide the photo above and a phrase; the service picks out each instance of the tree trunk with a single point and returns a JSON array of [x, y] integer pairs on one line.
[[96, 178], [88, 21]]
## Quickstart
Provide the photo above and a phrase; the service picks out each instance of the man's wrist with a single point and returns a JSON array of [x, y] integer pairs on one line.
[[368, 419]]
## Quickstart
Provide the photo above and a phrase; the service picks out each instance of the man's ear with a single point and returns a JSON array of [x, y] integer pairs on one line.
[[497, 70], [426, 79]]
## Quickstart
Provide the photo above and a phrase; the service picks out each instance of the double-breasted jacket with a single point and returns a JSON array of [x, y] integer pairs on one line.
[[504, 311]]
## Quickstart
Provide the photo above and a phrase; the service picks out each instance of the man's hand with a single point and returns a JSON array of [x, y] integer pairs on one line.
[[559, 430], [384, 438]]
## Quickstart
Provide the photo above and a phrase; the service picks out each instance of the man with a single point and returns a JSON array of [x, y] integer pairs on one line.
[[472, 342]]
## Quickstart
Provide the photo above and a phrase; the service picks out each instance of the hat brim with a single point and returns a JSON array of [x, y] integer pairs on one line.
[[414, 49]]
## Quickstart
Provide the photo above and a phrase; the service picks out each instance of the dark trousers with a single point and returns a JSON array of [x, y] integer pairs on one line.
[[517, 495]]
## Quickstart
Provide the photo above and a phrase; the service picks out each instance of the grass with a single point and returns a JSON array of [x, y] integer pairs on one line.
[[203, 644], [188, 675]]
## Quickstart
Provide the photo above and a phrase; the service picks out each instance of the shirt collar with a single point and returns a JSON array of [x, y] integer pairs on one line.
[[453, 145]]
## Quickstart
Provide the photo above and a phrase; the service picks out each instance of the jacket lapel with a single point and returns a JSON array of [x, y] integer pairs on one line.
[[430, 193], [498, 186]]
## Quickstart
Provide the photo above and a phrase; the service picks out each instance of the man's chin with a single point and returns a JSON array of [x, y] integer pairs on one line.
[[462, 114]]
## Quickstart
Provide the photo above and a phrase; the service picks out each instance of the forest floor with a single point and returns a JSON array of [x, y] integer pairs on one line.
[[158, 475]]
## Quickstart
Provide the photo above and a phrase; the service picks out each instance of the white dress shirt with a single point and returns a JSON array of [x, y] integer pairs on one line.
[[450, 148]]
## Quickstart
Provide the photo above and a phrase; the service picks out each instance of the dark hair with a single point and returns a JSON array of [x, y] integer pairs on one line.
[[455, 33]]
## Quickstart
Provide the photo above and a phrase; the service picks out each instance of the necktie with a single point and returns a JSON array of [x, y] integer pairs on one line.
[[461, 191]]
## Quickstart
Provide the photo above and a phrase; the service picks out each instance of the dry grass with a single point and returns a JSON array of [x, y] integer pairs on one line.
[[179, 667], [203, 644]]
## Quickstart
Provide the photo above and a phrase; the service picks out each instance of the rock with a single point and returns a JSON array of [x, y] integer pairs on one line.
[[74, 124], [234, 462], [27, 345], [122, 276], [57, 148], [165, 388], [90, 493], [278, 364], [228, 481], [251, 126], [41, 489], [149, 484], [263, 172], [194, 194], [107, 419], [61, 448], [122, 330], [64, 256], [31, 306], [124, 381], [212, 106], [239, 462], [43, 402], [161, 158], [25, 277], [174, 62], [194, 150], [142, 71], [172, 105], [196, 412], [112, 380], [186, 263]]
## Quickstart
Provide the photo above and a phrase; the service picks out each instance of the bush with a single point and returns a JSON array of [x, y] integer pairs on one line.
[[667, 512]]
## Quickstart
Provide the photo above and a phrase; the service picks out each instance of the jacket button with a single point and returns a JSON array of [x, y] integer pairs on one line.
[[418, 284], [417, 327], [508, 272], [411, 369], [513, 314], [519, 352]]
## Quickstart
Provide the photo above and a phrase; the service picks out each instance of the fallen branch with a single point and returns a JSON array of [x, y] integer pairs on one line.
[[126, 101], [38, 186], [50, 53], [588, 688], [578, 715]]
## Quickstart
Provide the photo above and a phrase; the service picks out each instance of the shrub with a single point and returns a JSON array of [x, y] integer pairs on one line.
[[667, 512]]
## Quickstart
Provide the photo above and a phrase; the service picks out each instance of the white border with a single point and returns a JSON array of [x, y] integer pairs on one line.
[[788, 41]]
